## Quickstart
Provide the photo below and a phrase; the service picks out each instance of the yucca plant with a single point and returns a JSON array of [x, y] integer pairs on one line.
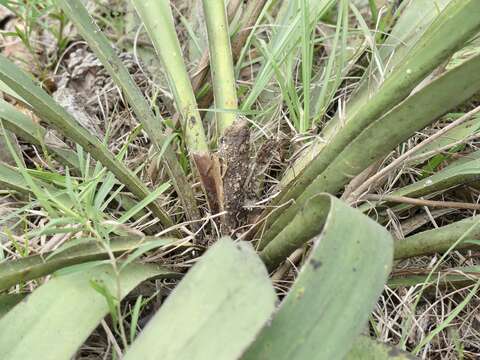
[[349, 97]]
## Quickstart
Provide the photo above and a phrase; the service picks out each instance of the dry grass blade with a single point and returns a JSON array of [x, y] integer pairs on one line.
[[422, 202]]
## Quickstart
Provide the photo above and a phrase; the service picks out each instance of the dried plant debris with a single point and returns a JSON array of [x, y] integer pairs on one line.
[[87, 91], [234, 154], [210, 173]]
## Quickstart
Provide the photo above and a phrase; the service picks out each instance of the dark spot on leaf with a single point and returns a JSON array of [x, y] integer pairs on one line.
[[193, 120], [315, 263], [393, 352], [354, 269]]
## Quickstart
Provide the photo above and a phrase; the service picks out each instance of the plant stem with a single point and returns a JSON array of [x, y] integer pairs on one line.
[[439, 240], [221, 61], [158, 19]]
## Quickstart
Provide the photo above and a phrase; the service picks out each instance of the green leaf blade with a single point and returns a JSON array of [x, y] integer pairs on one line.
[[69, 307], [329, 304], [215, 312]]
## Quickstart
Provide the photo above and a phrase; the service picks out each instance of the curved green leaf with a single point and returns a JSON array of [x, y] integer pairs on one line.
[[47, 109], [413, 22], [441, 40], [15, 271], [385, 133], [8, 302], [55, 319], [215, 312], [25, 128], [329, 304]]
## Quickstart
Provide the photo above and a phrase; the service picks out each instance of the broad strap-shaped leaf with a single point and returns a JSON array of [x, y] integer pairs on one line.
[[329, 304], [366, 348], [8, 302], [443, 38], [413, 114], [55, 319], [15, 271], [386, 132], [215, 312]]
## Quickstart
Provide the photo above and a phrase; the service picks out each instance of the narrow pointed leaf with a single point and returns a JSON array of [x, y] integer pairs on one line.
[[99, 43], [287, 35], [47, 109]]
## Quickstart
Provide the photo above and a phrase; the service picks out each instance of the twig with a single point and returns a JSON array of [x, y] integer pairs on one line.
[[292, 260], [422, 202]]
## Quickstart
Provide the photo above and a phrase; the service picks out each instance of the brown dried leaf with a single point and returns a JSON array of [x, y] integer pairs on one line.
[[208, 167]]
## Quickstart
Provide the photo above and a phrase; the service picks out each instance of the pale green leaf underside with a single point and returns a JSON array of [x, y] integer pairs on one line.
[[55, 319], [338, 286], [215, 312]]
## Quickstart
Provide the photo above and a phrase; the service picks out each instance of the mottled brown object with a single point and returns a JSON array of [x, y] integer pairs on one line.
[[208, 166], [234, 153]]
